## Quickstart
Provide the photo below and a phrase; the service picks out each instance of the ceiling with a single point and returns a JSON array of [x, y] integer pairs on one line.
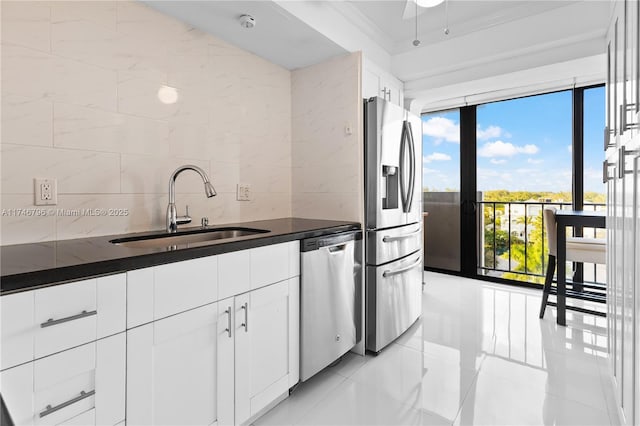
[[396, 18], [278, 36]]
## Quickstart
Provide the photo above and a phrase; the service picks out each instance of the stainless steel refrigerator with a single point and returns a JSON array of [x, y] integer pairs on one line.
[[393, 221]]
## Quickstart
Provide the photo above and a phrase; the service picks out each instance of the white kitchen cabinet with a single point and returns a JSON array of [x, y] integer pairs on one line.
[[377, 82], [266, 346], [224, 362], [623, 209], [84, 385], [42, 322], [158, 292], [16, 312], [172, 372]]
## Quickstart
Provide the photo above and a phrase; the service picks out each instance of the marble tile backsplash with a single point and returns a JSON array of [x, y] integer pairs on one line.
[[81, 103], [327, 140]]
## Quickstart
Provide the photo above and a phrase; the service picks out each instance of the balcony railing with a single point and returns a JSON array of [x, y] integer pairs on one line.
[[513, 240]]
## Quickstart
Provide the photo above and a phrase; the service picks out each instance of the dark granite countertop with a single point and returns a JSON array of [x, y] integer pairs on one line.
[[28, 266]]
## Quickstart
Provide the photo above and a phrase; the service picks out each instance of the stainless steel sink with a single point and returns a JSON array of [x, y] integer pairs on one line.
[[185, 238]]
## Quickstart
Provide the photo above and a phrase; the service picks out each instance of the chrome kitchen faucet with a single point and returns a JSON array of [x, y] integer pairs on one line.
[[173, 220]]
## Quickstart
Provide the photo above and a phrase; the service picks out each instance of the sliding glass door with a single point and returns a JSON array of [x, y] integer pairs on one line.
[[441, 189], [489, 170]]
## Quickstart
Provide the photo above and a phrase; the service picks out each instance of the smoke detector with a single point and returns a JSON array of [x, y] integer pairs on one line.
[[247, 21]]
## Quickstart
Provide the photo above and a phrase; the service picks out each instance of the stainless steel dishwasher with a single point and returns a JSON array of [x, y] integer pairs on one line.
[[330, 299]]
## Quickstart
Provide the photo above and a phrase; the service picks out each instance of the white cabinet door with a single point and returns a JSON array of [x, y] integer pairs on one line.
[[370, 84], [172, 373], [264, 343], [226, 362]]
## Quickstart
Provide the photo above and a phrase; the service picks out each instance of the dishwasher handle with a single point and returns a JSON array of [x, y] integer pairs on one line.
[[332, 242]]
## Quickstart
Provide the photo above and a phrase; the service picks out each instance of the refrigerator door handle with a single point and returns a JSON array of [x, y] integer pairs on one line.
[[403, 146], [388, 239], [389, 273], [412, 166]]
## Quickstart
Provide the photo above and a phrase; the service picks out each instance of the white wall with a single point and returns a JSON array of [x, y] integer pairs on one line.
[[328, 162], [79, 104]]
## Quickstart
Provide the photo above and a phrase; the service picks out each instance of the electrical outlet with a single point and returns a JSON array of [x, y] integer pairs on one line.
[[243, 192], [46, 191]]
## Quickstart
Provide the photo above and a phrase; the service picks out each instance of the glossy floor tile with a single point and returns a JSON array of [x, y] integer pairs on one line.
[[478, 356]]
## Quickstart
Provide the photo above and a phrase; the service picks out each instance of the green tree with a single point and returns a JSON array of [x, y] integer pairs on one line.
[[536, 251]]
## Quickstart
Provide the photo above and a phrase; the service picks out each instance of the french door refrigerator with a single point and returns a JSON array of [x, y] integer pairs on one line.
[[393, 221]]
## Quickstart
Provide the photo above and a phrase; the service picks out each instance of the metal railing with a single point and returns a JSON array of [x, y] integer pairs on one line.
[[529, 219]]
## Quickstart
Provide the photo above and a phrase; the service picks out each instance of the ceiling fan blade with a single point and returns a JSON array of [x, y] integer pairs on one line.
[[410, 10]]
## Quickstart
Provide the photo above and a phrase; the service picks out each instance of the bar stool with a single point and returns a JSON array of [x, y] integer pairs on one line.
[[579, 249]]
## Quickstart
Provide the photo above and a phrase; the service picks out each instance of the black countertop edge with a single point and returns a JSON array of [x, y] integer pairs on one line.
[[283, 230]]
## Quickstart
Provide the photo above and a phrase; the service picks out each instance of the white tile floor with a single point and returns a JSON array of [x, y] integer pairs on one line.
[[479, 355]]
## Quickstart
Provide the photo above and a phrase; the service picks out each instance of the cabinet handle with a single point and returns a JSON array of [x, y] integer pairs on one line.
[[49, 409], [605, 171], [622, 152], [82, 314], [228, 312], [624, 125], [245, 324], [607, 138]]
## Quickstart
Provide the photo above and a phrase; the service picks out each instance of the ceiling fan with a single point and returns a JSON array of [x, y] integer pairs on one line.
[[411, 11]]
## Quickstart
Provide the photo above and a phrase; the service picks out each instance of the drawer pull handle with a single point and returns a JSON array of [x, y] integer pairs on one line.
[[390, 273], [245, 324], [388, 239], [82, 314], [49, 409], [228, 312]]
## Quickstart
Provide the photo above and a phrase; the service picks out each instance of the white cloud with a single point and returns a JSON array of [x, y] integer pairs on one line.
[[489, 133], [569, 148], [494, 161], [436, 156], [534, 161], [505, 149], [442, 129], [426, 171]]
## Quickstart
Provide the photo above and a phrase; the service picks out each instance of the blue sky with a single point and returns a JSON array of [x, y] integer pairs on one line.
[[522, 144]]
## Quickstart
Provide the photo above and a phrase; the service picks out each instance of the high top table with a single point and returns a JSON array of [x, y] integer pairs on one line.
[[576, 218]]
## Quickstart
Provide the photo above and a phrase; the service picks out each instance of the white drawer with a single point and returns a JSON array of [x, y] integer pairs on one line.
[[274, 263], [61, 379], [72, 314], [234, 275], [184, 285], [42, 322], [17, 329], [84, 385]]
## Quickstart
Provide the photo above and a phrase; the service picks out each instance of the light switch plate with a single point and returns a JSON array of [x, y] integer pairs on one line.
[[243, 192], [45, 191]]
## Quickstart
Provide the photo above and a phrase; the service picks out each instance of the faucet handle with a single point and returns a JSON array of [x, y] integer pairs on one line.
[[187, 211]]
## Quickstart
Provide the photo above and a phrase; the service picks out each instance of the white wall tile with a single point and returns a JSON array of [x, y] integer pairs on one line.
[[22, 222], [94, 129], [82, 216], [327, 177], [337, 206], [35, 74], [225, 176], [27, 23], [26, 121], [88, 32], [80, 87], [84, 172], [144, 174]]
